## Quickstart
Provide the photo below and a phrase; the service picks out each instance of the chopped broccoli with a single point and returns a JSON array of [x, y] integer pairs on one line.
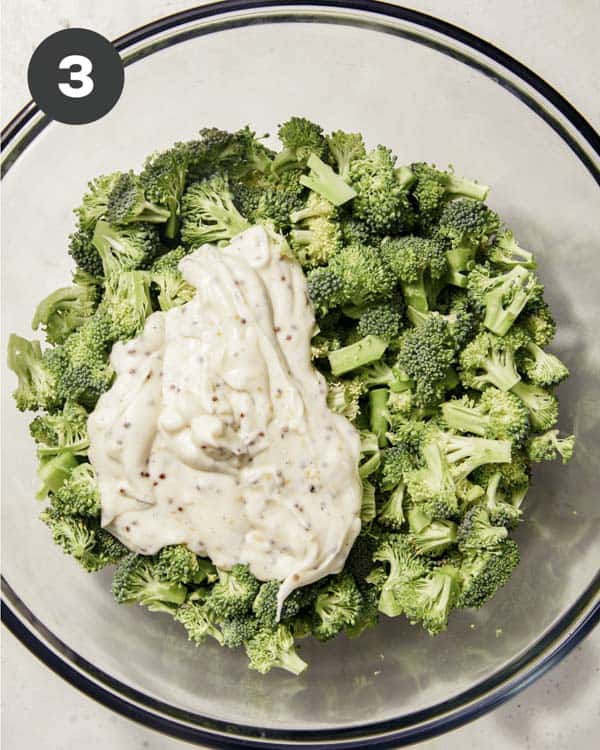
[[343, 397], [345, 148], [274, 648], [324, 181], [434, 538], [432, 486], [403, 566], [496, 415], [337, 606], [430, 598], [177, 563], [391, 514], [94, 203], [365, 276], [163, 182], [381, 199], [198, 620], [300, 138], [550, 445], [79, 495], [239, 630], [506, 251], [125, 248], [420, 266], [53, 471], [37, 384], [489, 360], [137, 579], [542, 405], [465, 453], [542, 368], [368, 349], [209, 214], [484, 571], [233, 593], [500, 511], [477, 532], [127, 203], [316, 243], [502, 297], [127, 303], [65, 310], [63, 431]]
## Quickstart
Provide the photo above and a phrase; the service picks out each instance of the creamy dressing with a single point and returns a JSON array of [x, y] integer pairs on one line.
[[216, 432]]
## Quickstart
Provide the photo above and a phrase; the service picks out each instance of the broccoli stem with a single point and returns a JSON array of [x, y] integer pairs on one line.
[[462, 418], [54, 472], [378, 399], [324, 181], [363, 352], [467, 188]]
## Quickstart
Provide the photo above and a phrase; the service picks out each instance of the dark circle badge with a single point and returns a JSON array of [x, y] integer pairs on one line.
[[75, 76]]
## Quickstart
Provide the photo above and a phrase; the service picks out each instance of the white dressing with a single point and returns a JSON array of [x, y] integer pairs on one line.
[[216, 431]]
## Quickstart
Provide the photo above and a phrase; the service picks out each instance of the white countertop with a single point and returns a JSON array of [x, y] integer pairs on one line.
[[558, 40]]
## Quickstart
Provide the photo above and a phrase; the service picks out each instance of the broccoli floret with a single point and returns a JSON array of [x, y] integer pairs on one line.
[[381, 198], [432, 486], [300, 138], [460, 319], [489, 360], [281, 195], [368, 616], [379, 416], [360, 558], [64, 310], [178, 564], [337, 606], [234, 592], [391, 514], [538, 323], [366, 350], [80, 367], [274, 648], [501, 512], [65, 430], [429, 600], [465, 453], [83, 539], [83, 251], [476, 531], [380, 320], [466, 225], [325, 289], [53, 471], [127, 303], [317, 242], [426, 355], [324, 181], [513, 475], [37, 384], [369, 453], [264, 605], [345, 148], [419, 265], [199, 622], [137, 579], [506, 251], [542, 368], [365, 276], [163, 181], [125, 248], [379, 373], [343, 397], [79, 495], [503, 297], [209, 214], [239, 630], [396, 463], [483, 572], [550, 445], [541, 404], [316, 207], [173, 290], [403, 566], [429, 537], [356, 232], [497, 415], [433, 187], [127, 203]]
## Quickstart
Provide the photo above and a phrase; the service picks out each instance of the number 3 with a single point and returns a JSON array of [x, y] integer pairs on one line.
[[82, 76]]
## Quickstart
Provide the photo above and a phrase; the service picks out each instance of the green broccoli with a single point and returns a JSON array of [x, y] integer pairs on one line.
[[53, 471], [429, 599], [198, 620], [381, 198], [502, 297], [500, 511], [65, 310], [84, 252], [238, 631], [344, 149], [316, 243], [209, 214], [538, 323], [79, 495], [233, 593], [550, 445], [432, 486], [465, 453], [403, 566], [420, 266], [477, 532], [489, 360], [324, 181], [484, 571], [365, 276], [325, 290], [127, 303], [137, 579], [274, 648], [94, 204], [176, 563], [63, 431], [281, 198], [163, 181], [366, 350], [498, 415], [300, 138], [542, 405], [36, 384], [343, 397], [506, 251], [434, 537], [542, 368], [337, 606], [125, 248], [127, 203]]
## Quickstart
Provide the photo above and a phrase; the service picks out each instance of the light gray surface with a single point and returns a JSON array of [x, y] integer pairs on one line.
[[559, 711]]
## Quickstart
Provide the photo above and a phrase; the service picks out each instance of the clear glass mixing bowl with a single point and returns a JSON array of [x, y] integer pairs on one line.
[[432, 92]]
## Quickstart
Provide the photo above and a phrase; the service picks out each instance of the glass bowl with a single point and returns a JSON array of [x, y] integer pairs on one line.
[[432, 92]]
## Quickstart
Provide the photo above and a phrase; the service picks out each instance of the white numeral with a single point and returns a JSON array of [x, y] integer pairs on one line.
[[82, 76]]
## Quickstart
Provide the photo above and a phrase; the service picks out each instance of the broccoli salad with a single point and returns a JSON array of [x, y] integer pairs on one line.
[[290, 392]]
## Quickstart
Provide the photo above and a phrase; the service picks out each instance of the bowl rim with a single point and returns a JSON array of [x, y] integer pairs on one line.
[[543, 654]]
